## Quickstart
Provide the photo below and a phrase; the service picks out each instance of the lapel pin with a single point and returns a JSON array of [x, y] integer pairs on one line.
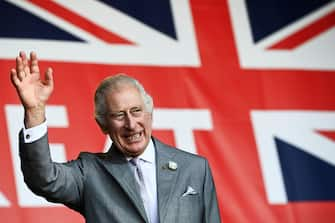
[[172, 165]]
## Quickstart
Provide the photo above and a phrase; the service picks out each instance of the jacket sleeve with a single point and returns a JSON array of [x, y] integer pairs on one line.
[[57, 182], [212, 212]]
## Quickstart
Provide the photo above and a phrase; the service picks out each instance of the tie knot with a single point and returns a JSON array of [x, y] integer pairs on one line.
[[135, 161]]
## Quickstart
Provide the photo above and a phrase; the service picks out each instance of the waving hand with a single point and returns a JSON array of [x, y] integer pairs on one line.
[[32, 90]]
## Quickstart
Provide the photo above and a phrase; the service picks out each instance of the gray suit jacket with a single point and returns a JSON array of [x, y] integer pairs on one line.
[[102, 187]]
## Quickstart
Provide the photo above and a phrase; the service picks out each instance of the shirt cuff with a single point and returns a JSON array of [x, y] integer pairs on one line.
[[34, 133]]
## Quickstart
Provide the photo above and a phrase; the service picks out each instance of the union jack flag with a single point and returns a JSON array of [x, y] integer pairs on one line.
[[247, 84]]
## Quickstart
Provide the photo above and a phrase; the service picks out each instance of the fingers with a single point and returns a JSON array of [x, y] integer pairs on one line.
[[25, 62], [19, 68], [22, 65], [34, 63], [23, 69], [14, 78], [49, 77]]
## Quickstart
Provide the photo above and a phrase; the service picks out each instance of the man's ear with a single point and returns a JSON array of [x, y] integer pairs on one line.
[[102, 126], [151, 115]]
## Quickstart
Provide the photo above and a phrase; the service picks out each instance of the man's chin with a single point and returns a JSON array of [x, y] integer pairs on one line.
[[133, 150], [133, 153]]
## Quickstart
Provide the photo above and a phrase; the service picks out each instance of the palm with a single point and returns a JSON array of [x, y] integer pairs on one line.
[[32, 90]]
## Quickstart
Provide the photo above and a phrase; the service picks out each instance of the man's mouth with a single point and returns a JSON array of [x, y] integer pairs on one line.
[[134, 137]]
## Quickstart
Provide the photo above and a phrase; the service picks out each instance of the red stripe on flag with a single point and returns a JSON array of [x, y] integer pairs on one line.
[[81, 22], [328, 134], [306, 34]]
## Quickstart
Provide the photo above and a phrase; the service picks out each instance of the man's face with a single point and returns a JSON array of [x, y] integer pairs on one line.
[[129, 125]]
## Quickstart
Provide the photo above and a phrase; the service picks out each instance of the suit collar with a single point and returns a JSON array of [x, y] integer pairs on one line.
[[116, 163], [118, 166], [149, 153], [166, 178]]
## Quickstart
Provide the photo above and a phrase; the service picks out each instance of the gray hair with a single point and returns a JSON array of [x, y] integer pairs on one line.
[[113, 83]]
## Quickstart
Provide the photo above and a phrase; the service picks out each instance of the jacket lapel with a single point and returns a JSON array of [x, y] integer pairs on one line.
[[118, 167], [166, 178]]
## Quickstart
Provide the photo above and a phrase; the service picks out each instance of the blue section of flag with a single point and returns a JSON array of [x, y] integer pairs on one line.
[[268, 16], [18, 23], [306, 177], [156, 14]]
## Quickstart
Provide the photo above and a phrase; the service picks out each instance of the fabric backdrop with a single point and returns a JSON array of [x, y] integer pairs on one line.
[[248, 84]]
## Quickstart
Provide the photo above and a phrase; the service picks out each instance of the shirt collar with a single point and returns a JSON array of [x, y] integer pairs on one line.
[[148, 154]]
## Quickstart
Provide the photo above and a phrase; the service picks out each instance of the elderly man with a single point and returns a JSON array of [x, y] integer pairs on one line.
[[140, 179]]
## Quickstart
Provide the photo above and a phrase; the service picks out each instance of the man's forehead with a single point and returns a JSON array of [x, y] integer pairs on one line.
[[121, 87], [126, 97]]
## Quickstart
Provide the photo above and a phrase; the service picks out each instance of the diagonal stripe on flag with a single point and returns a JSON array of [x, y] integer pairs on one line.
[[306, 34], [81, 22]]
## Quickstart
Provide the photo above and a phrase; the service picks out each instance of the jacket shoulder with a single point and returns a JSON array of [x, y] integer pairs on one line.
[[179, 154]]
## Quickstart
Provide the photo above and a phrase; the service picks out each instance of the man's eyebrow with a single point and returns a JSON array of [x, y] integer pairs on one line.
[[134, 107]]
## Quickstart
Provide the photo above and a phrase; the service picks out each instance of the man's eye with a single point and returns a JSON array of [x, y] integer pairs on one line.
[[136, 111], [119, 115]]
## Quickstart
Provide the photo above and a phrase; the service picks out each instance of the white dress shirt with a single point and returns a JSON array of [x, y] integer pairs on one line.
[[148, 166], [34, 133]]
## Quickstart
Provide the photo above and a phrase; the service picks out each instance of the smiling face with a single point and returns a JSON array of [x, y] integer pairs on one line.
[[128, 124]]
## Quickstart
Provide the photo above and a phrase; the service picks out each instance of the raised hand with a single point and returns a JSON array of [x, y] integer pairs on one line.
[[32, 90]]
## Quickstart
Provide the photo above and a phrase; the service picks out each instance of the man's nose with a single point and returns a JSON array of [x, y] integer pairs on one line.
[[130, 121]]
